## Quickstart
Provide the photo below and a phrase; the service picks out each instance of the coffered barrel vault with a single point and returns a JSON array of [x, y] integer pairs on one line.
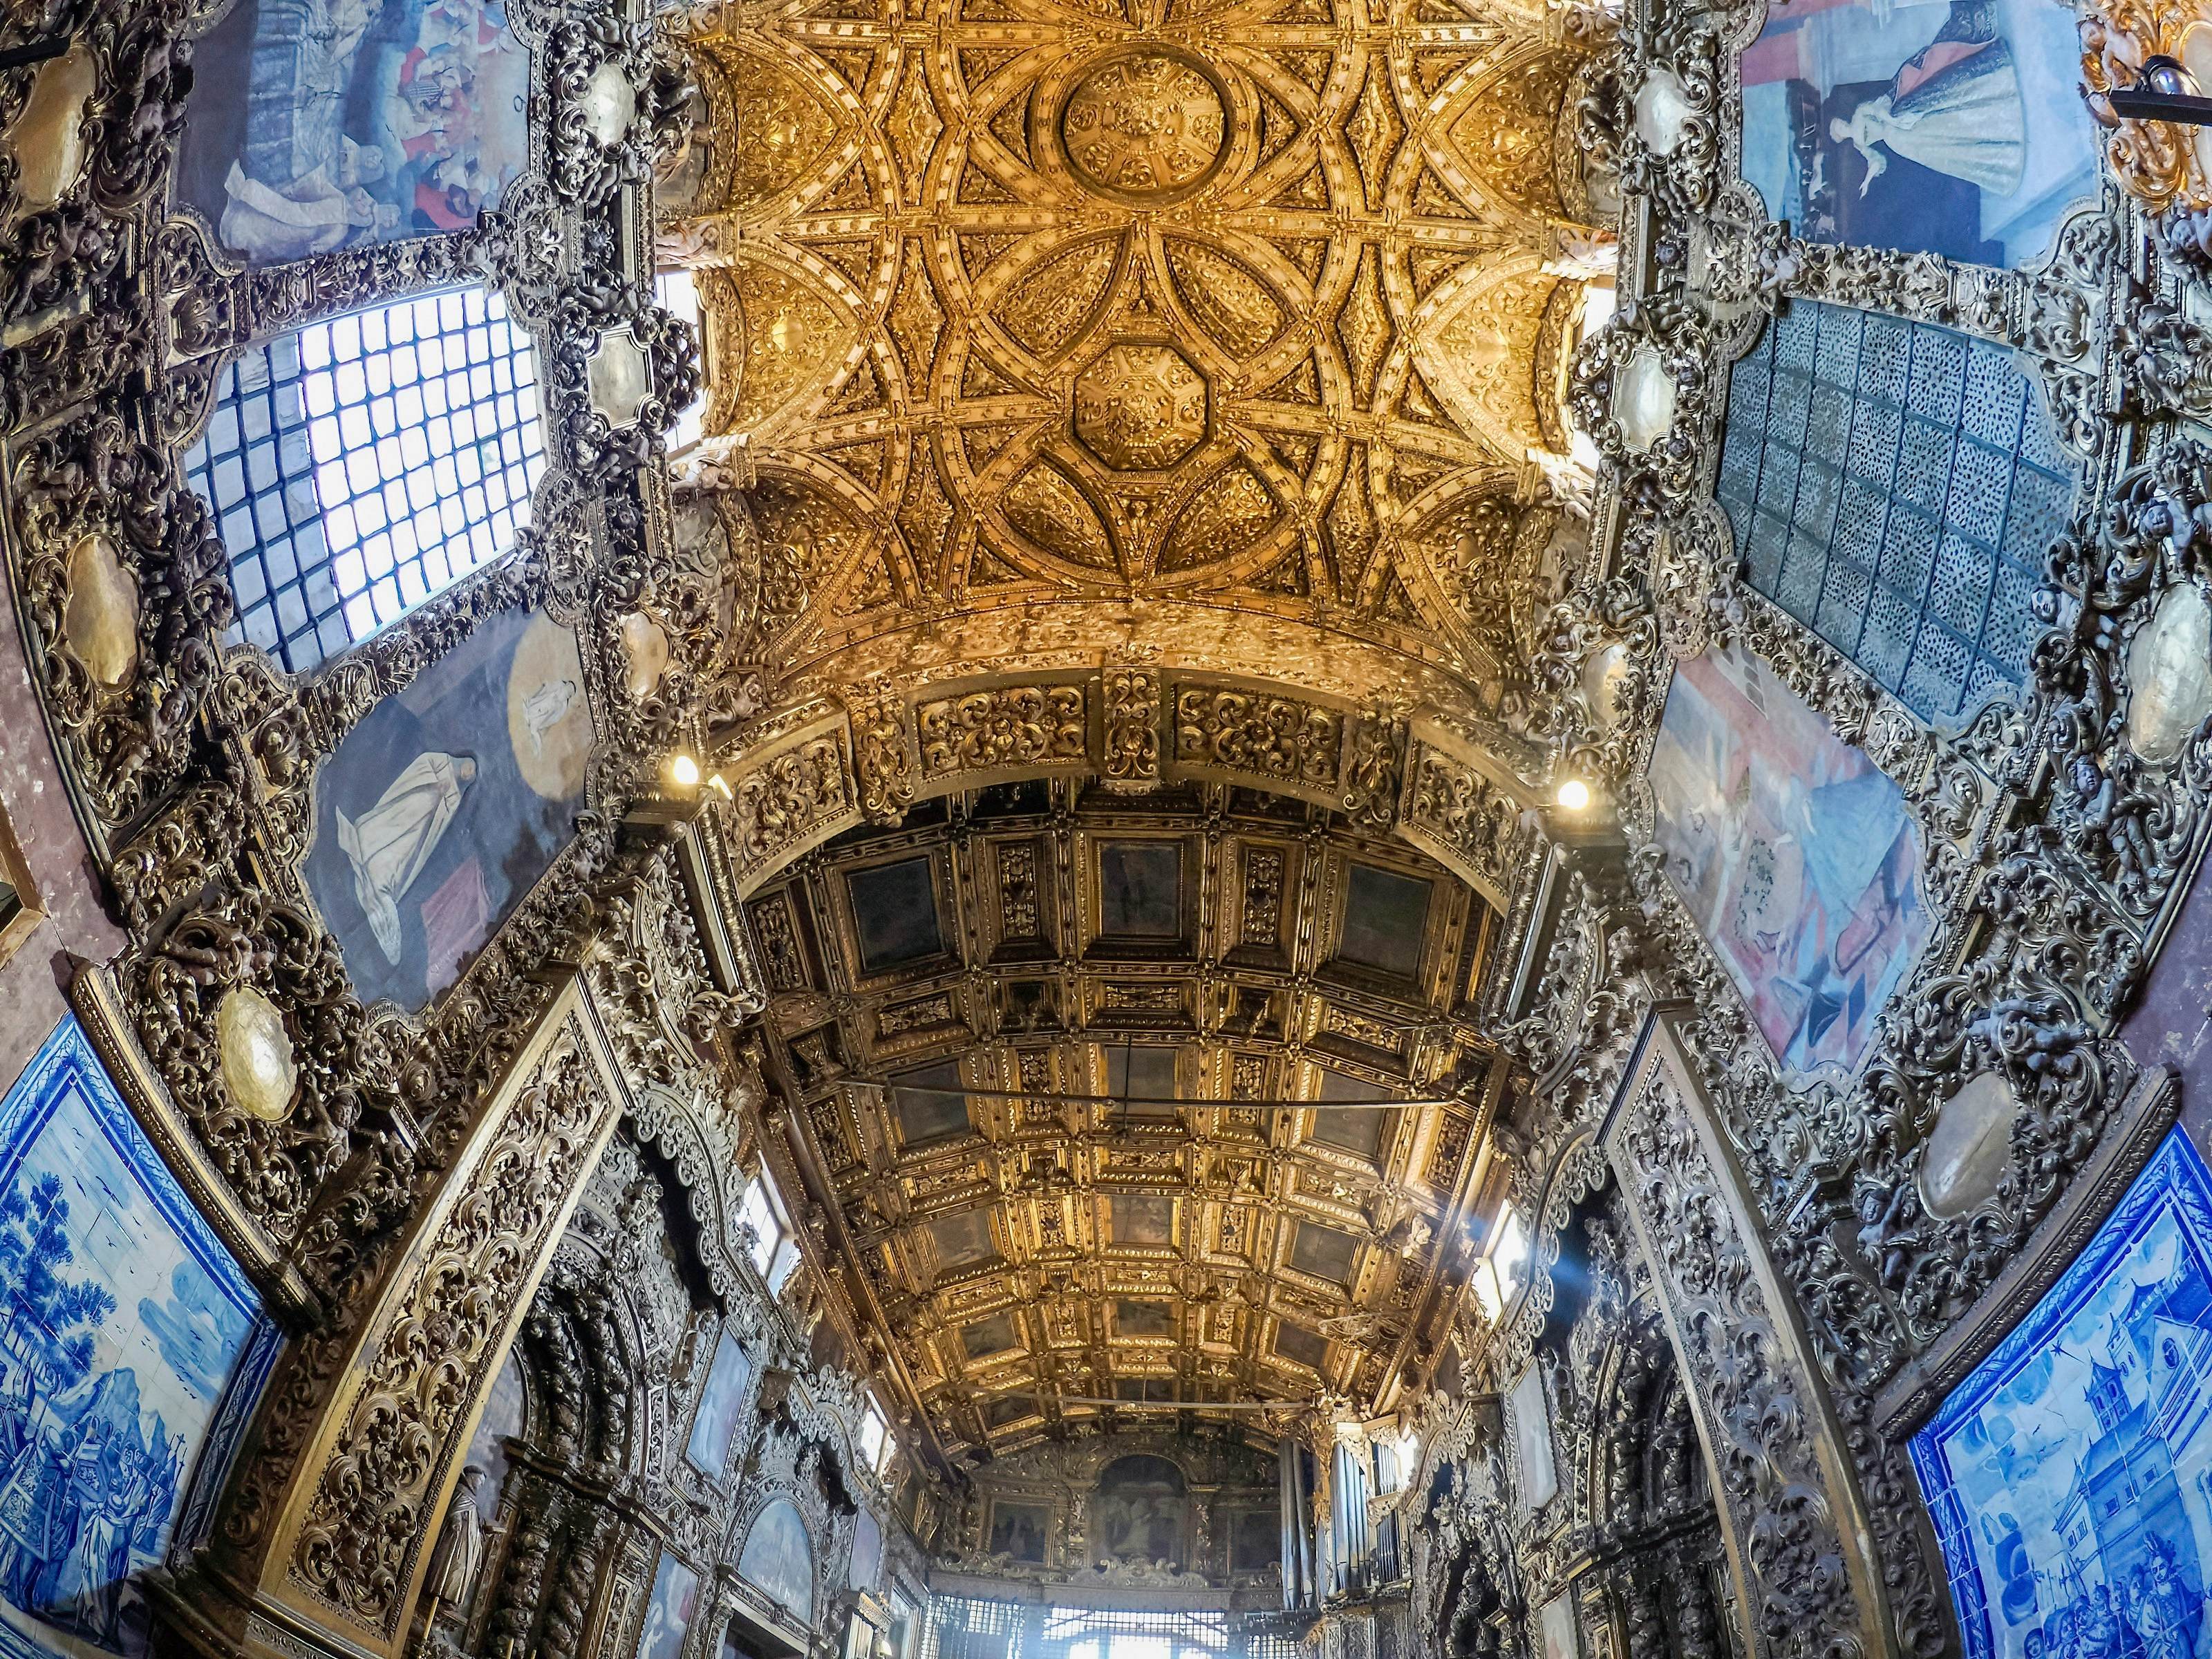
[[1199, 944]]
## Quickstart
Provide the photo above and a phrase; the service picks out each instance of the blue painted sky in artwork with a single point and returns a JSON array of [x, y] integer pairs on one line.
[[2075, 1462], [116, 1350]]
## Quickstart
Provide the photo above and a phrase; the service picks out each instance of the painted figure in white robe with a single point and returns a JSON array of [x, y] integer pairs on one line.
[[388, 845], [546, 708], [1954, 107]]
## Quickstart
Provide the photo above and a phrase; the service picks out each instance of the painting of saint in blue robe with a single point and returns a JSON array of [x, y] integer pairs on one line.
[[320, 124], [440, 812], [131, 1349], [1792, 852], [1938, 126], [2069, 1476]]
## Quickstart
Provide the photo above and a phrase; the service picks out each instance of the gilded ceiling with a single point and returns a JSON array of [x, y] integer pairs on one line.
[[1247, 306], [1198, 943], [1124, 392]]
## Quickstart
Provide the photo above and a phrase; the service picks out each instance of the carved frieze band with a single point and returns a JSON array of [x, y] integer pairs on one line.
[[427, 1356]]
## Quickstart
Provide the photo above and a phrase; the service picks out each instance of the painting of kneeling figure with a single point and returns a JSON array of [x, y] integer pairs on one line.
[[2071, 1474]]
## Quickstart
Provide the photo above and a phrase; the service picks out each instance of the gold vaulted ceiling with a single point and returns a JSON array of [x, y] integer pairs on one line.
[[1237, 304], [1195, 944], [1042, 337]]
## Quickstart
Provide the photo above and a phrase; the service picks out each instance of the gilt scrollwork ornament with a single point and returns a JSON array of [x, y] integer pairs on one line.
[[1653, 116], [93, 508], [883, 759], [1012, 725], [1643, 387], [1130, 756]]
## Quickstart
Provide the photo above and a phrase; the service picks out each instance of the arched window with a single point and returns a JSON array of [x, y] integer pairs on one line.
[[357, 466], [1895, 486]]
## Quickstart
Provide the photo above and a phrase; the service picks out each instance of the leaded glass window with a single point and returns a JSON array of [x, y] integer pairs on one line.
[[359, 465], [1894, 486]]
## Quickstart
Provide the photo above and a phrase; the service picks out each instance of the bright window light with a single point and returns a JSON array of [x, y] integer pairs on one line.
[[1510, 1253], [677, 291], [357, 466], [875, 1437], [759, 1207]]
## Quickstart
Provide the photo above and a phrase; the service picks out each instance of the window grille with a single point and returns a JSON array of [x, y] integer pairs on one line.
[[357, 466], [1895, 487], [967, 1627]]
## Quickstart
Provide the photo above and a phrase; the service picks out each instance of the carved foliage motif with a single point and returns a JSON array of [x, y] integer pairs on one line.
[[356, 1547], [1761, 1417], [1018, 725], [1259, 732], [1131, 751]]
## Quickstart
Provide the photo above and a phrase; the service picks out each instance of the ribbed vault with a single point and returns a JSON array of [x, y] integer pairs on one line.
[[1144, 419]]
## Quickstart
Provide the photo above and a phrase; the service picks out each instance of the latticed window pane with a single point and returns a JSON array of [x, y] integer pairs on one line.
[[361, 464], [962, 1627], [1894, 486], [967, 1627]]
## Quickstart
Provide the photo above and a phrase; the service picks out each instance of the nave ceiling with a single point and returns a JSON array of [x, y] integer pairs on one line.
[[1145, 315], [1149, 422], [1028, 1256]]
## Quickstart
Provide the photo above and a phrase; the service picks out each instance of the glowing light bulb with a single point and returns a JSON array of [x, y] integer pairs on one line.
[[685, 771], [1574, 794]]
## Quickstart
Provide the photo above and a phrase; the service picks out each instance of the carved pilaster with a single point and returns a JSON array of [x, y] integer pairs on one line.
[[330, 1512], [1797, 1541]]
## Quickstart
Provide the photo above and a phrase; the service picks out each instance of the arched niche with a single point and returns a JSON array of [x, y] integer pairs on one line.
[[778, 1558], [1142, 1511]]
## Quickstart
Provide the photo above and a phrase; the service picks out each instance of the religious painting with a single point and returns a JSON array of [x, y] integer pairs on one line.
[[778, 1558], [1144, 1319], [1019, 1531], [1142, 1511], [1256, 1540], [669, 1610], [2070, 1476], [1935, 126], [988, 1336], [1145, 1219], [1561, 1630], [865, 1565], [1795, 855], [439, 812], [712, 1429], [131, 1350], [1140, 889], [1386, 919], [320, 124], [1531, 1410], [504, 1419]]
